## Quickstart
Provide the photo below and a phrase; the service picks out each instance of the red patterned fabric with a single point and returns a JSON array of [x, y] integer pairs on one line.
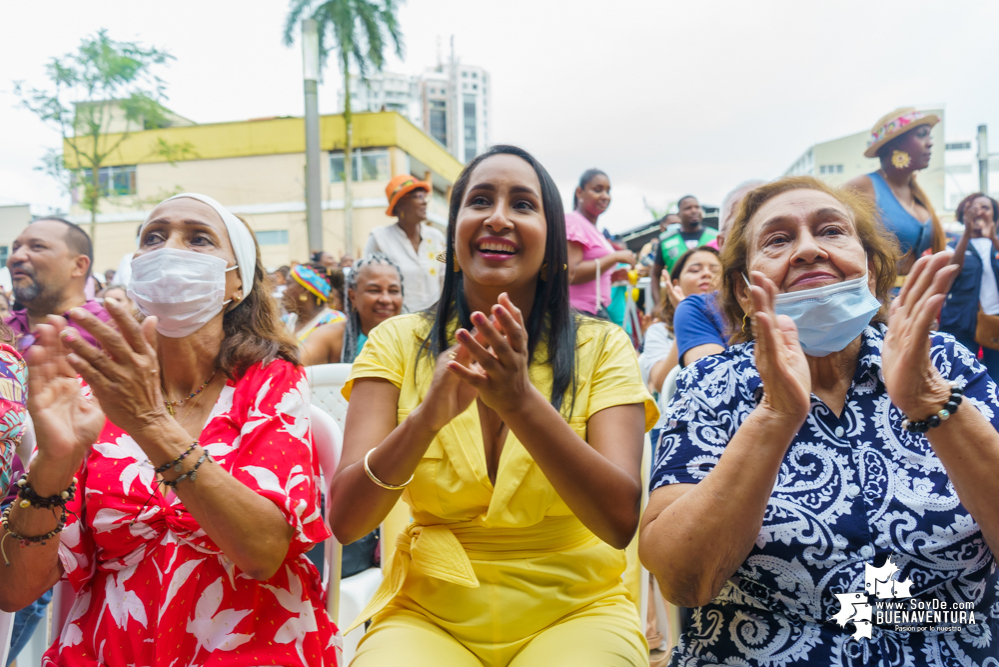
[[158, 591]]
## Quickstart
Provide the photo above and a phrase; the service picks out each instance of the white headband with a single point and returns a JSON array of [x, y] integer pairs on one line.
[[243, 245]]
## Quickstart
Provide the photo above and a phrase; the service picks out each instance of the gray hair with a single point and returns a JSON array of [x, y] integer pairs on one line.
[[353, 327]]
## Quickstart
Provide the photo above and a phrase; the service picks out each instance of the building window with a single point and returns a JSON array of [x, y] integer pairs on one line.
[[471, 141], [822, 169], [113, 181], [438, 121], [839, 169], [370, 164], [273, 237], [958, 146]]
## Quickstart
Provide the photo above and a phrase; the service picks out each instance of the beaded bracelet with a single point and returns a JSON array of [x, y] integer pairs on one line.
[[192, 474], [176, 463], [949, 408], [26, 541], [28, 497]]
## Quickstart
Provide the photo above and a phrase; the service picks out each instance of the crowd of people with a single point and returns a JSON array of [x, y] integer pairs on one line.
[[814, 374]]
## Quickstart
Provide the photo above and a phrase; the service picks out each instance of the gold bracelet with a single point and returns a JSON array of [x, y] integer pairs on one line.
[[390, 487]]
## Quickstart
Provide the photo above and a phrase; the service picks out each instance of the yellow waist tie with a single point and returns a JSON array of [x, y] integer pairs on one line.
[[443, 551]]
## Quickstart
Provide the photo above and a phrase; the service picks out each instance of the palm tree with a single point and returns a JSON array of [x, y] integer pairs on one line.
[[359, 31]]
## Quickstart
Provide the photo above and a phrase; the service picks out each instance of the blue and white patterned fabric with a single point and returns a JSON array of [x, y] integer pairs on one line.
[[851, 490]]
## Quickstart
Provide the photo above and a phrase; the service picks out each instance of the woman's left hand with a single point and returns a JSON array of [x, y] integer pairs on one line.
[[500, 373], [912, 381], [125, 376]]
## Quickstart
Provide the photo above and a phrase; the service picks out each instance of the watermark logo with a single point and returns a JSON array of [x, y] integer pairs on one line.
[[887, 602]]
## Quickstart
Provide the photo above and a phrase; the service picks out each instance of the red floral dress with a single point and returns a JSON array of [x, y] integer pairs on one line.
[[153, 589]]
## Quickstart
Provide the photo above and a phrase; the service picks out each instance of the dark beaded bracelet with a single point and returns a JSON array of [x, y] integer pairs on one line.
[[192, 474], [176, 463], [28, 497], [949, 408], [27, 540]]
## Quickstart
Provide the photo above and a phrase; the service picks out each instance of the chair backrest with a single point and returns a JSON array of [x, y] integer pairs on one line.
[[327, 440], [6, 630], [326, 381]]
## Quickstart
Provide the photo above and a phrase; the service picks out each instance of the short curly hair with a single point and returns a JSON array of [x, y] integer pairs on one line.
[[880, 245]]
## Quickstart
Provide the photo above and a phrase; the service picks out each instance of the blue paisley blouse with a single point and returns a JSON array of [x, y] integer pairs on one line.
[[851, 490]]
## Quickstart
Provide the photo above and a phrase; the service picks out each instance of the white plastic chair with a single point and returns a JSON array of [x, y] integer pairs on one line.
[[326, 381], [6, 630], [345, 598]]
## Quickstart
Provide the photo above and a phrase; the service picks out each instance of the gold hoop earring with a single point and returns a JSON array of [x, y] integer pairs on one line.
[[747, 325], [900, 159]]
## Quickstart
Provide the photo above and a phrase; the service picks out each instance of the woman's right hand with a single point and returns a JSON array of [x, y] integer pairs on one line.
[[783, 367], [448, 396], [66, 422], [624, 257]]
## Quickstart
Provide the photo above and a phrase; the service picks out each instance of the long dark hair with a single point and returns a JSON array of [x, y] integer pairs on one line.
[[584, 180], [352, 329], [552, 318]]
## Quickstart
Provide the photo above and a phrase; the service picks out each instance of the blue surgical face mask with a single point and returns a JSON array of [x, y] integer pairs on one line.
[[831, 317]]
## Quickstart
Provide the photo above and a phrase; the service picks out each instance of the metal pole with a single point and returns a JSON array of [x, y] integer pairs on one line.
[[313, 182], [983, 158]]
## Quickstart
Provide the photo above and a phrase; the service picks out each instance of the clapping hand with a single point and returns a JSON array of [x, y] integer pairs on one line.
[[913, 383], [500, 372], [66, 422], [783, 367]]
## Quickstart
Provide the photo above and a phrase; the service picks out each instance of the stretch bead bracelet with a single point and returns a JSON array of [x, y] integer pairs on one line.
[[192, 474], [390, 487], [176, 463], [28, 497], [949, 408], [27, 540]]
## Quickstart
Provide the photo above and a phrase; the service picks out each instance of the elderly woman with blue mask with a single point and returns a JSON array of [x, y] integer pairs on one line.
[[824, 482], [178, 493]]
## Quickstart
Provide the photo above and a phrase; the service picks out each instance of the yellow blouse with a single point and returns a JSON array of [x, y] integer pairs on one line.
[[492, 565]]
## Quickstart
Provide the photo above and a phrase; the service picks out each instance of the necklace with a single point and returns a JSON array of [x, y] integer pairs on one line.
[[171, 404]]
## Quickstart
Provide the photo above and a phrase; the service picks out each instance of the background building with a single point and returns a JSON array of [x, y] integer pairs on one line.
[[451, 102], [257, 169]]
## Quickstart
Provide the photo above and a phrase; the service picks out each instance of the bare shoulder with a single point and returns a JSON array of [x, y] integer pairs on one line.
[[861, 184]]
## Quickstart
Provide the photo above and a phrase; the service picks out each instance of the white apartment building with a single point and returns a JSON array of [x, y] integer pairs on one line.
[[450, 102]]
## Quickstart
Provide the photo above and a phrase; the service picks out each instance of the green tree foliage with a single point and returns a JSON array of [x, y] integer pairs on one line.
[[357, 32], [102, 82]]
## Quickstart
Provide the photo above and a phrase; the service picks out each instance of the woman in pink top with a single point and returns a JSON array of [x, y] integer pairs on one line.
[[588, 249]]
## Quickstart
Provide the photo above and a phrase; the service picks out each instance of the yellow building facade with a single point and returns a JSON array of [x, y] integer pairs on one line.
[[257, 169]]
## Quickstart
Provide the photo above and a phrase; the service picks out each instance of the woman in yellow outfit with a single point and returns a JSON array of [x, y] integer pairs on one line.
[[515, 427]]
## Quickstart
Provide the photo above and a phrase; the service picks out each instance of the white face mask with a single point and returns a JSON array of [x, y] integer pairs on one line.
[[183, 288]]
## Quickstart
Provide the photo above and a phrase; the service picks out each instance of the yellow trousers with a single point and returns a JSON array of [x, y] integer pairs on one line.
[[603, 635]]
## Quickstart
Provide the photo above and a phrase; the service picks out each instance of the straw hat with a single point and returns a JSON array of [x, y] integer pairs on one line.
[[897, 122], [399, 187]]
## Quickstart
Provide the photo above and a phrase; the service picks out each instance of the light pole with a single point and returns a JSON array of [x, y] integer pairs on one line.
[[313, 191], [983, 159]]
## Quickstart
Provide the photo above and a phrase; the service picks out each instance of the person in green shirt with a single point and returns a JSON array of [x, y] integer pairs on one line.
[[672, 244]]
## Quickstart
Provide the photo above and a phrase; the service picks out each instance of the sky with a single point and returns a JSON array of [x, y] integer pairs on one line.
[[668, 98]]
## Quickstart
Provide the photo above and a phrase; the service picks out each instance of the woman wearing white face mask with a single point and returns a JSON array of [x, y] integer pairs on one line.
[[181, 502], [825, 442]]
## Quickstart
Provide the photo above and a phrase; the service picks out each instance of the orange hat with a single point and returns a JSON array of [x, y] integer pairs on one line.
[[399, 187]]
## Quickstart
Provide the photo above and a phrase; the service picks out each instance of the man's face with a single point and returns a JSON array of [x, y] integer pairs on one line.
[[690, 211], [671, 219], [42, 263]]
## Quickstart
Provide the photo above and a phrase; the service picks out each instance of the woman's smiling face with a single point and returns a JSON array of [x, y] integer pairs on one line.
[[500, 231]]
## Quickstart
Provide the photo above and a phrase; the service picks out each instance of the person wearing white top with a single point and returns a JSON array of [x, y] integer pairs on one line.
[[410, 243], [975, 291]]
